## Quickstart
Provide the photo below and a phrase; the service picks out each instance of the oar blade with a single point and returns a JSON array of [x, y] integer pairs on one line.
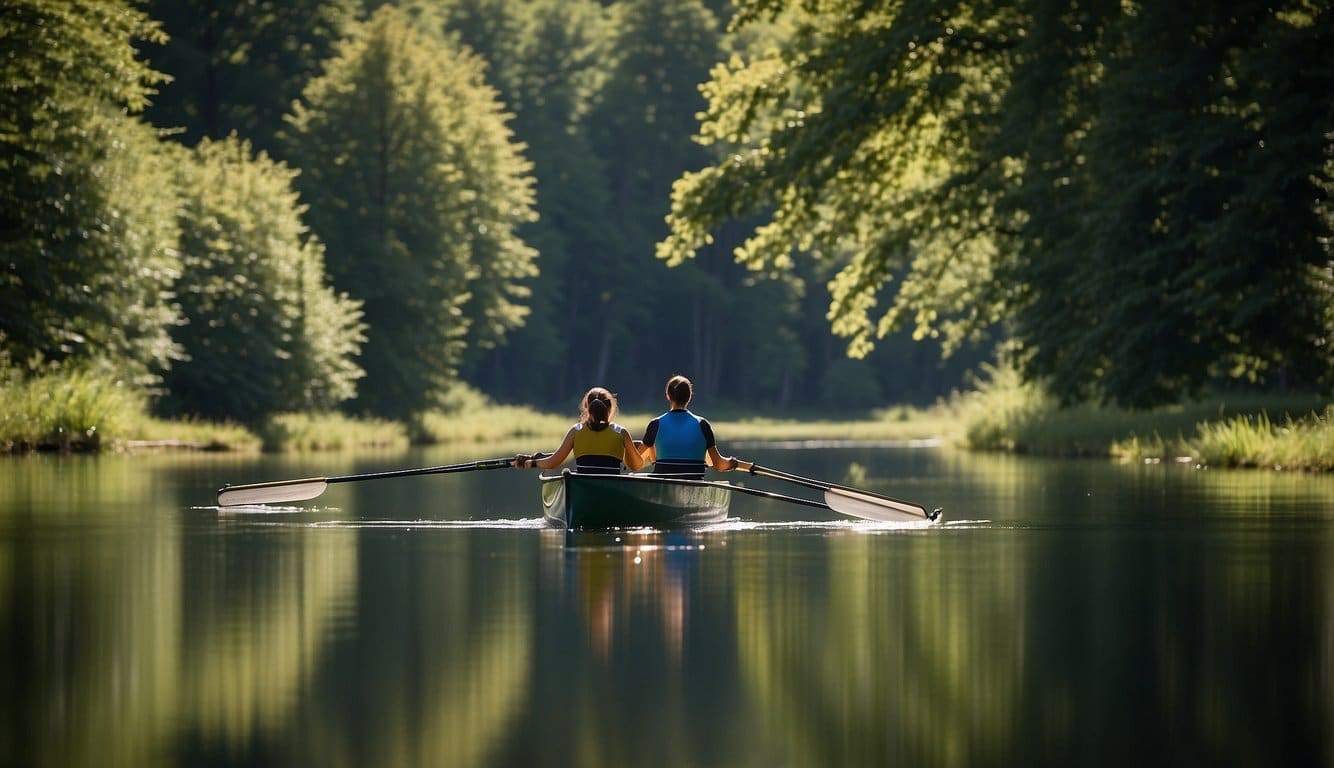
[[868, 507], [271, 493]]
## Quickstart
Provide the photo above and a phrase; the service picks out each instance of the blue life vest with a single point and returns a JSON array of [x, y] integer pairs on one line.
[[680, 437]]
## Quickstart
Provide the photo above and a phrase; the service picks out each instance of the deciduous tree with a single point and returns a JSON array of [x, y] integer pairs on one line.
[[417, 188], [264, 332]]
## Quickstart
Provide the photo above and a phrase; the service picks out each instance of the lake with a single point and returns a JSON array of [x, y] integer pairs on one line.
[[1065, 612]]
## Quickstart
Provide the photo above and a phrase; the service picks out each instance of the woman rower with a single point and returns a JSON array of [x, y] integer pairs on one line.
[[678, 442], [599, 444]]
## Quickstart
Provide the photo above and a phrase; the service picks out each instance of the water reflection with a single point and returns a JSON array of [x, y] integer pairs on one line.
[[623, 577], [1104, 613], [866, 656]]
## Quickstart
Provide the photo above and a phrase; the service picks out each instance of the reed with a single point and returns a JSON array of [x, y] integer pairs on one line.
[[1289, 431], [299, 432], [64, 410], [1303, 443], [488, 424], [148, 433]]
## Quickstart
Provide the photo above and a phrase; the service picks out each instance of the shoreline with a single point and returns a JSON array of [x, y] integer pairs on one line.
[[81, 414], [1241, 441]]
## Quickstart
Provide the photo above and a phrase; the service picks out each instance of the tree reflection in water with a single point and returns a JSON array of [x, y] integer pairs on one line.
[[1107, 612]]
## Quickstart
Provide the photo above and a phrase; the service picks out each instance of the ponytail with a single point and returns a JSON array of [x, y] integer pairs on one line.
[[598, 408]]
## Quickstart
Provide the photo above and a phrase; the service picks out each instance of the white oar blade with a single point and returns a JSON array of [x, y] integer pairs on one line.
[[271, 493], [873, 508]]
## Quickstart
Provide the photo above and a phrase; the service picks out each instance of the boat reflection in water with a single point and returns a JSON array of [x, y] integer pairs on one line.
[[624, 583]]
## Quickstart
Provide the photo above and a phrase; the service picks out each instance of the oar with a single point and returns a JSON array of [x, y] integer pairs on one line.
[[771, 495], [310, 487], [855, 502]]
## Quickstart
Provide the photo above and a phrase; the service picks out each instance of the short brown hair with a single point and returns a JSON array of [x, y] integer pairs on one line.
[[679, 390]]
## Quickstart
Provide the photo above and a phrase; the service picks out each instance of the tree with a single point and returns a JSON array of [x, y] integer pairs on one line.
[[238, 66], [1192, 260], [417, 189], [639, 126], [87, 232], [1129, 186], [554, 70], [492, 29], [264, 333]]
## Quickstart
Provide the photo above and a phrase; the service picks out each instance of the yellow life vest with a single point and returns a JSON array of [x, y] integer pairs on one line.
[[608, 441]]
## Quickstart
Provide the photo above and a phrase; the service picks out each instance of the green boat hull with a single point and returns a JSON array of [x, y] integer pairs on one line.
[[631, 501]]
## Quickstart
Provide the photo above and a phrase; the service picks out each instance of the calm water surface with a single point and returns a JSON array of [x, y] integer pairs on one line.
[[1067, 613]]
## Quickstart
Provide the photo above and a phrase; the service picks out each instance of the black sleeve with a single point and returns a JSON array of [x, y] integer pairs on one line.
[[708, 434], [651, 433]]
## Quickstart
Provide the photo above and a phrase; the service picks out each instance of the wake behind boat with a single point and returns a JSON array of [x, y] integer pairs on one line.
[[574, 500]]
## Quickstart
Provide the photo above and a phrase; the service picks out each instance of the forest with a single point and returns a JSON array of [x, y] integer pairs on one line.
[[253, 208]]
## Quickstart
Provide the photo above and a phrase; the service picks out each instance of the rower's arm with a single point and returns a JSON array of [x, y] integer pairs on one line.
[[724, 463], [633, 458], [647, 453], [558, 458]]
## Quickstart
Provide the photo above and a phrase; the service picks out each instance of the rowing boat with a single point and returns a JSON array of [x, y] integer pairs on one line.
[[573, 500]]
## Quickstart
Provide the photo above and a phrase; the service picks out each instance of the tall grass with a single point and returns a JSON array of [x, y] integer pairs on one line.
[[1291, 431], [192, 434], [894, 423], [1304, 443], [329, 432], [66, 410], [487, 424]]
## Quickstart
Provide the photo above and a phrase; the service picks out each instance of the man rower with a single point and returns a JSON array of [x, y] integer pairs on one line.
[[679, 443]]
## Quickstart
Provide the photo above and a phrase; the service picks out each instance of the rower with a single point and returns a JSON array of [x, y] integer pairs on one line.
[[678, 442], [598, 443]]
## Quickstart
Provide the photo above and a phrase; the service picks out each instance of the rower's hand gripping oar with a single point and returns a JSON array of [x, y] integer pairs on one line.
[[310, 487], [855, 502]]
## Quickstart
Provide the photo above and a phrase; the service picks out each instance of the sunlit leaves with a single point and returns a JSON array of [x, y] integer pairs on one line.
[[263, 331], [415, 186], [1133, 188], [87, 228]]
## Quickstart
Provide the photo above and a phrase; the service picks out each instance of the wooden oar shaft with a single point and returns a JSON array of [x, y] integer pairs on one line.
[[821, 485], [775, 496], [311, 487], [853, 501], [440, 470]]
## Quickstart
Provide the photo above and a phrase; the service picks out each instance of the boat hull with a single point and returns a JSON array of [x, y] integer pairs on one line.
[[573, 500]]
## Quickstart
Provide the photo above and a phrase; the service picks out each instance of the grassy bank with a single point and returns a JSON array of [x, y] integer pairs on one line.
[[85, 411], [75, 411], [1305, 443], [1291, 431]]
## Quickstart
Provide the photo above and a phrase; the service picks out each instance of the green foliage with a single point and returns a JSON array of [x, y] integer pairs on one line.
[[417, 190], [88, 225], [1305, 443], [151, 433], [71, 408], [552, 70], [1130, 184], [1006, 413], [489, 28], [264, 332], [237, 66], [496, 423], [329, 432]]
